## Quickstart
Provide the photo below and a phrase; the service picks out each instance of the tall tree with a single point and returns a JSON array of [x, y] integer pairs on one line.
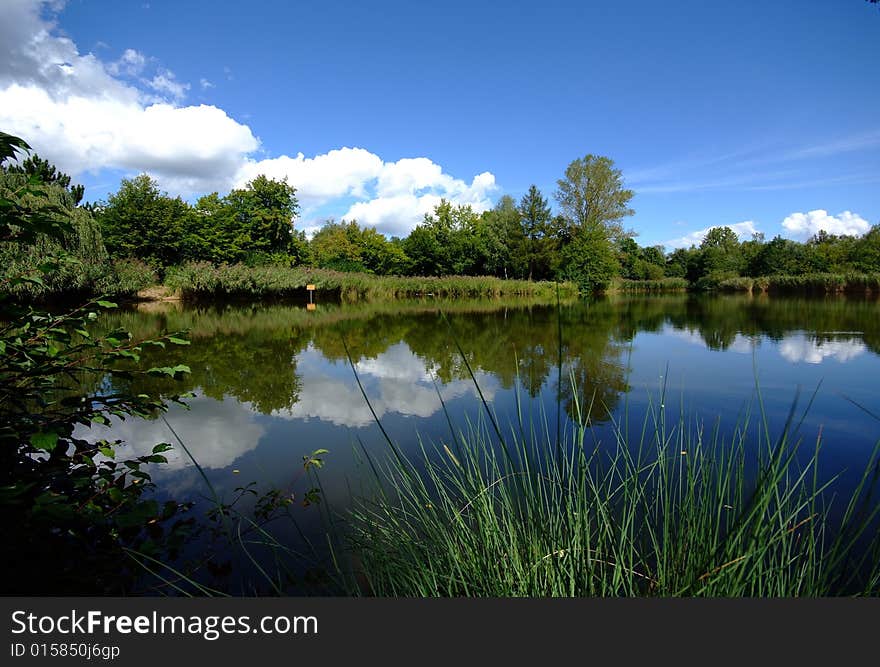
[[591, 195], [48, 174], [266, 209], [535, 218], [503, 239], [594, 201], [140, 221]]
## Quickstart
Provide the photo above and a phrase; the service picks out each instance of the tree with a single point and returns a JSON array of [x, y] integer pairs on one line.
[[780, 256], [594, 201], [503, 239], [589, 261], [265, 209], [47, 173], [142, 222], [592, 195], [447, 242], [535, 219], [720, 254]]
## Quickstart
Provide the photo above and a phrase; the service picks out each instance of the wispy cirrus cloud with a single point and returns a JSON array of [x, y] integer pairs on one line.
[[798, 167]]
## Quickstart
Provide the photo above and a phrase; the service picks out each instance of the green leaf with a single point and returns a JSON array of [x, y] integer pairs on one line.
[[178, 341], [106, 304], [107, 451], [170, 371], [115, 494], [45, 441], [162, 447]]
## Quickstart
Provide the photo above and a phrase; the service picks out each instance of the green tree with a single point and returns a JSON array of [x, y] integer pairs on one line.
[[594, 201], [503, 239], [39, 183], [866, 251], [780, 256], [720, 256], [265, 209], [535, 217], [447, 242], [214, 233], [589, 260], [47, 173], [591, 195], [337, 246], [140, 221], [680, 261]]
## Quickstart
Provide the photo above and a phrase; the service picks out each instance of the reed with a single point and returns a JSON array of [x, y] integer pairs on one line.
[[662, 285], [204, 280], [670, 510]]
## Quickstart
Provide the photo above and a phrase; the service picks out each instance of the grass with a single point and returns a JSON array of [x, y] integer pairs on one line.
[[673, 511], [812, 283], [202, 280], [662, 285]]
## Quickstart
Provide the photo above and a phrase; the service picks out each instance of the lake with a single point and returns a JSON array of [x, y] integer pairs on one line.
[[272, 383]]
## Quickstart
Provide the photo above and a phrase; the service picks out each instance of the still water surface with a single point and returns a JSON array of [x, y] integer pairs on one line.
[[273, 383]]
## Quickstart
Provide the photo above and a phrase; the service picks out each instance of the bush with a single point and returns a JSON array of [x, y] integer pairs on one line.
[[71, 512]]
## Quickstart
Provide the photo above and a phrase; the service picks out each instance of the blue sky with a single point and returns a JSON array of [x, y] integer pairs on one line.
[[757, 115]]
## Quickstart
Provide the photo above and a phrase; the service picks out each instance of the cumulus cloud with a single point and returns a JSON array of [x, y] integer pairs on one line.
[[86, 114], [217, 433], [396, 194], [800, 348], [75, 112], [397, 381], [407, 192], [805, 225], [743, 230], [337, 173], [192, 146]]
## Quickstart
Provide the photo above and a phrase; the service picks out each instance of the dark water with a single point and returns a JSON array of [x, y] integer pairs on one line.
[[273, 383]]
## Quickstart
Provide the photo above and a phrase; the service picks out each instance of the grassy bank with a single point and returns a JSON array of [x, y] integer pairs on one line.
[[814, 283], [665, 510], [203, 280], [640, 286]]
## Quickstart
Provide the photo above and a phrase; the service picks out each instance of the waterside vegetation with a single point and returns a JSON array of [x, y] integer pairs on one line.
[[246, 243]]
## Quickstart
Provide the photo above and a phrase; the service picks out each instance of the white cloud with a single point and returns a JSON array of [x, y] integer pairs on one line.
[[216, 432], [85, 114], [131, 63], [396, 194], [409, 188], [191, 147], [165, 82], [805, 225], [397, 382], [800, 348], [73, 111], [337, 173], [743, 231]]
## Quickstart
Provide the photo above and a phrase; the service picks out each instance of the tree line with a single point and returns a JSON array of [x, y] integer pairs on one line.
[[515, 239], [584, 242]]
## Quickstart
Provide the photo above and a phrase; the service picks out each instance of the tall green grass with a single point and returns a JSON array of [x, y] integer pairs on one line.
[[661, 285], [671, 510], [811, 283], [200, 280]]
